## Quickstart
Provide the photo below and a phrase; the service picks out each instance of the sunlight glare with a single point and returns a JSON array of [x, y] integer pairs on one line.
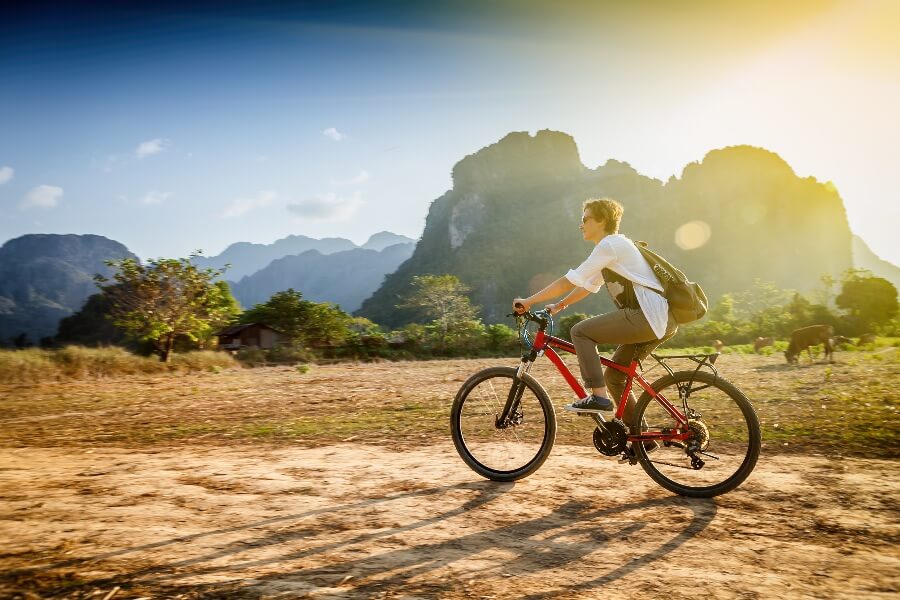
[[692, 235]]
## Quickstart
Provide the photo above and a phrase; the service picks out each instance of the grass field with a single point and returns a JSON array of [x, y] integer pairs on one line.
[[848, 407]]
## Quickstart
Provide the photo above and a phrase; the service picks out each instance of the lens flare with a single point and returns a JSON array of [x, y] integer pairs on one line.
[[692, 235]]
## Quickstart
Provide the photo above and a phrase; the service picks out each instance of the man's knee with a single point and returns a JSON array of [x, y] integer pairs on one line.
[[578, 331]]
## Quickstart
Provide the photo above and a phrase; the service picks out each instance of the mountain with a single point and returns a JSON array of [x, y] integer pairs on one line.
[[383, 239], [247, 258], [864, 258], [509, 225], [45, 277], [344, 278]]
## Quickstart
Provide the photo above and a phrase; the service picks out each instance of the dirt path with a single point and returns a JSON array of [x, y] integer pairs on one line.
[[349, 521]]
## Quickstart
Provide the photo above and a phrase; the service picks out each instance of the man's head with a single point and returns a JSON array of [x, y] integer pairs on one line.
[[606, 211]]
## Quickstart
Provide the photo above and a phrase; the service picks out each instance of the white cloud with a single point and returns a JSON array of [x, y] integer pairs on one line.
[[6, 174], [43, 196], [333, 134], [361, 178], [154, 146], [326, 207], [241, 206], [155, 197]]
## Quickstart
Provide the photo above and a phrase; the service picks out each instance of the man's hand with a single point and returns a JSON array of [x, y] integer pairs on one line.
[[555, 308], [524, 305]]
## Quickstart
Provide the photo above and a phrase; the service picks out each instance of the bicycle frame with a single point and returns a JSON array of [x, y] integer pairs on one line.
[[548, 345]]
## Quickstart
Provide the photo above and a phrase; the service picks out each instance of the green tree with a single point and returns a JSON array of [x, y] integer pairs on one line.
[[443, 299], [304, 322], [501, 338], [870, 301], [568, 322], [165, 299]]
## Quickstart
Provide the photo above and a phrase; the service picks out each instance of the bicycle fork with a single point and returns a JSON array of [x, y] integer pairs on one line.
[[511, 414]]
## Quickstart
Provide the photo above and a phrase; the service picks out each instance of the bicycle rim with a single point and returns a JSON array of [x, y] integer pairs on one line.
[[502, 453], [722, 415]]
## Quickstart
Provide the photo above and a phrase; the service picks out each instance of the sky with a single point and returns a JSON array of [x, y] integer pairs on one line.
[[174, 127]]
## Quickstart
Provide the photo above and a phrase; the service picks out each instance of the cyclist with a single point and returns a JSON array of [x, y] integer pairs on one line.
[[642, 322]]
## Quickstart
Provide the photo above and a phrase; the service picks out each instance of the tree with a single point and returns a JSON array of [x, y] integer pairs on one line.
[[167, 298], [443, 299], [871, 301], [304, 322], [91, 325]]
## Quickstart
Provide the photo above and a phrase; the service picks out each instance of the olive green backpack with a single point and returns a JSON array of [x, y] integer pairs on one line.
[[687, 301]]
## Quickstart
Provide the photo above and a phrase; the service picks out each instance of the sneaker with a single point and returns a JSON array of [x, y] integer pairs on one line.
[[591, 404]]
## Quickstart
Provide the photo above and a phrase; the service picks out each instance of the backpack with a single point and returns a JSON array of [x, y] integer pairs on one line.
[[687, 301]]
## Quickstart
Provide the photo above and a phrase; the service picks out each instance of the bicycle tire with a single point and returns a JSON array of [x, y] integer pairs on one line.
[[480, 443], [725, 406]]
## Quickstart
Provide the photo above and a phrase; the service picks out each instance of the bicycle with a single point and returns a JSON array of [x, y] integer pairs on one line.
[[504, 425]]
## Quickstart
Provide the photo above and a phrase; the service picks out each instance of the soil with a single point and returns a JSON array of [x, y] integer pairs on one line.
[[84, 518]]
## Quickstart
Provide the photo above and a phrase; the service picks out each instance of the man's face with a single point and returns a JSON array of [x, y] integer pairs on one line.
[[591, 229]]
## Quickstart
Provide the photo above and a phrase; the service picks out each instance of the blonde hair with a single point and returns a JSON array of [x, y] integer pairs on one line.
[[605, 209]]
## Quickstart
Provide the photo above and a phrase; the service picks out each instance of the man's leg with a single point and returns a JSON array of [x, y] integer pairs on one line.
[[617, 327], [626, 353]]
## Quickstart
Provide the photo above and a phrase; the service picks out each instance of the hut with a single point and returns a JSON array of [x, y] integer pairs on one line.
[[246, 335]]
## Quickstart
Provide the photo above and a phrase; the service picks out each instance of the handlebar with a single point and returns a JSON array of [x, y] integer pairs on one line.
[[542, 317]]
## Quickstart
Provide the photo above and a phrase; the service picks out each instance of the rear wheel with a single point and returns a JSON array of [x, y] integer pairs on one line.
[[725, 438], [502, 451]]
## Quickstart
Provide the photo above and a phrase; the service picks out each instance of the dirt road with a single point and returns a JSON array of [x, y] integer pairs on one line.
[[353, 521]]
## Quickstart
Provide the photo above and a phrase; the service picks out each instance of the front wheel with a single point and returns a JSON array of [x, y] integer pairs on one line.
[[496, 449], [725, 435]]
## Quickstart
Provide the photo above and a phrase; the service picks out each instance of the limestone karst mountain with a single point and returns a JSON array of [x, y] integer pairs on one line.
[[510, 223], [45, 277]]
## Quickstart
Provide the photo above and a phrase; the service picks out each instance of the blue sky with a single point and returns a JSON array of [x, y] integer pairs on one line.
[[172, 129]]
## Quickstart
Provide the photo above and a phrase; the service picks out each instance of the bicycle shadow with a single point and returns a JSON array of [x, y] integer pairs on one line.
[[566, 535]]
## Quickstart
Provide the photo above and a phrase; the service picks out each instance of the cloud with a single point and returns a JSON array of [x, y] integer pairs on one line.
[[326, 207], [43, 196], [241, 206], [361, 178], [150, 147], [6, 174], [333, 134], [155, 197]]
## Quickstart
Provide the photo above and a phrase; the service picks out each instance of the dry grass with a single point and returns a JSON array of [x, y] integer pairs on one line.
[[848, 407], [34, 365]]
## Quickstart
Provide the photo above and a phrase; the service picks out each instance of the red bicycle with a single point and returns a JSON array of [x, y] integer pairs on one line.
[[694, 432]]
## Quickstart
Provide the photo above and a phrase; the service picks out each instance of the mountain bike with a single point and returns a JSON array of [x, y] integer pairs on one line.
[[693, 432]]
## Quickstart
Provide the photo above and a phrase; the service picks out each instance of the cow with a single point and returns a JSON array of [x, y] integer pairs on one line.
[[840, 340], [866, 338], [803, 338], [718, 345], [761, 342]]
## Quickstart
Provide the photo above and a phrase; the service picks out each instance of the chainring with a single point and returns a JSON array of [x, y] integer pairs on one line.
[[615, 439]]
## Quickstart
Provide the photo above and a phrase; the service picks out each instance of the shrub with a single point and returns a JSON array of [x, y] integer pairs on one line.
[[204, 360], [252, 356], [26, 366], [77, 362]]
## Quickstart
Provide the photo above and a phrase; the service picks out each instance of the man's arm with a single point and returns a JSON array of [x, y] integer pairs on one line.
[[555, 289], [576, 295]]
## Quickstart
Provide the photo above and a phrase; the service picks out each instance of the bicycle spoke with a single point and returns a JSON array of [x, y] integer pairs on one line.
[[502, 447], [724, 441]]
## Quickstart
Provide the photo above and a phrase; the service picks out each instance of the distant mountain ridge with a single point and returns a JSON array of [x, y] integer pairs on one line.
[[45, 277], [246, 258], [864, 258], [344, 278], [509, 225]]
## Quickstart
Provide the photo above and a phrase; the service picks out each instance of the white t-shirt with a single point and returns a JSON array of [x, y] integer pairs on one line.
[[619, 254]]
